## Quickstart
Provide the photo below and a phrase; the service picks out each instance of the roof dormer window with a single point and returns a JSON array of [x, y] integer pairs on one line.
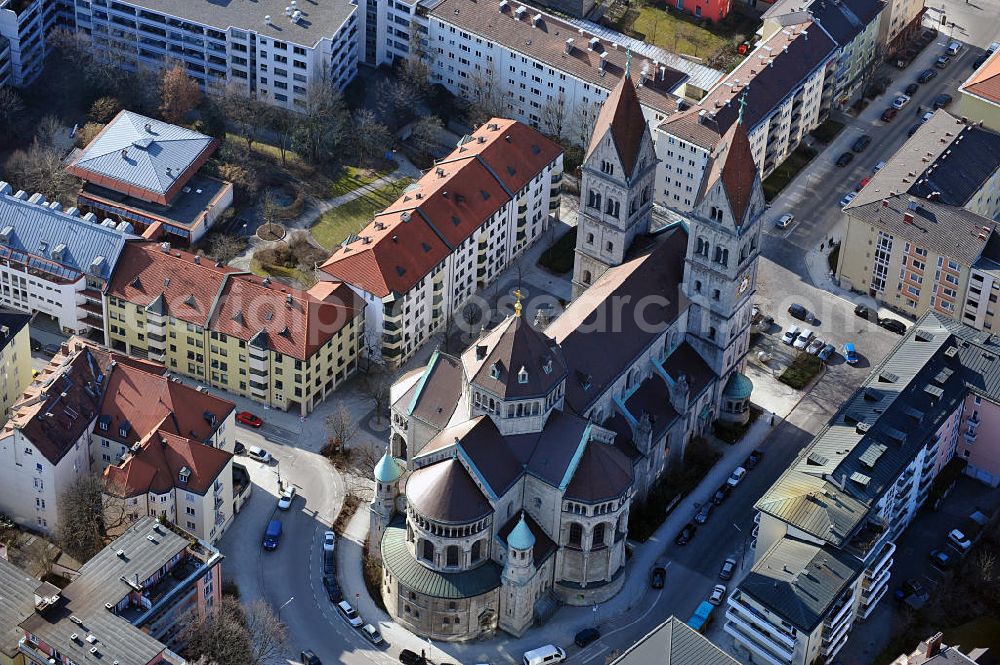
[[547, 366], [184, 474], [495, 371], [522, 375]]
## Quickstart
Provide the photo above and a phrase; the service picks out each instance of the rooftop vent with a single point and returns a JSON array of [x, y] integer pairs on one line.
[[520, 11]]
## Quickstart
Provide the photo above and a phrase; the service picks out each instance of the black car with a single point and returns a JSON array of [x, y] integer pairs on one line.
[[866, 312], [727, 570], [753, 460], [240, 449], [893, 325], [926, 75], [941, 101], [798, 311], [911, 89], [309, 658], [658, 578], [333, 591], [845, 159], [51, 349], [861, 143], [706, 511], [35, 344], [913, 130], [978, 62], [721, 494], [407, 657], [587, 636], [686, 534]]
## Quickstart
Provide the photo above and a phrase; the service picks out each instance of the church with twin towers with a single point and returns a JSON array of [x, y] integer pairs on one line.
[[511, 467]]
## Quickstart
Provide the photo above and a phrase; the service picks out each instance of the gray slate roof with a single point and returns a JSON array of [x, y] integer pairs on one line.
[[149, 153], [17, 602], [673, 642], [319, 20], [413, 575], [878, 431], [14, 322], [800, 581], [434, 396], [38, 231], [843, 20]]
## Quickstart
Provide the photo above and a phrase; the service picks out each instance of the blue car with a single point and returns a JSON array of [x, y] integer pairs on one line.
[[850, 354]]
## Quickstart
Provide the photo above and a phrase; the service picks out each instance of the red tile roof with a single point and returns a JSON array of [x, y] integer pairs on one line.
[[144, 272], [157, 465], [421, 228], [621, 115], [985, 81], [738, 171], [296, 322]]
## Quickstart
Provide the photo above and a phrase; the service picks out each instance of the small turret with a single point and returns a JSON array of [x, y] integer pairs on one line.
[[520, 590], [387, 473]]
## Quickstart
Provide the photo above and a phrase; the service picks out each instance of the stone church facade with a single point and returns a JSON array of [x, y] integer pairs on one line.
[[511, 468]]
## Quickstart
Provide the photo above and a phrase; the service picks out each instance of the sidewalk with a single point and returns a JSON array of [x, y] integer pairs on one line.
[[631, 605]]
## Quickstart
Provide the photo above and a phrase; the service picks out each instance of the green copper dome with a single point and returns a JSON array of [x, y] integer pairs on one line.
[[521, 538], [739, 387], [388, 469]]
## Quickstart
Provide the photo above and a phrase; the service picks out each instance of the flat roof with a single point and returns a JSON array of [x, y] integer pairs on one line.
[[193, 199], [317, 21]]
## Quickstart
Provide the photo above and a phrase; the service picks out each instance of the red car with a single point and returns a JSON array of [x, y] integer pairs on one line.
[[889, 114], [249, 419], [861, 185]]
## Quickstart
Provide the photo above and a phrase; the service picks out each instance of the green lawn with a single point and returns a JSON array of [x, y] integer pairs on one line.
[[802, 370], [335, 225], [785, 173], [679, 32], [559, 257], [828, 131], [351, 178]]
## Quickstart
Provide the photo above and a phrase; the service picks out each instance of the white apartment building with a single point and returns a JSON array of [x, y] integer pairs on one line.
[[56, 262], [826, 530], [276, 48], [902, 18], [24, 25], [782, 90], [449, 235]]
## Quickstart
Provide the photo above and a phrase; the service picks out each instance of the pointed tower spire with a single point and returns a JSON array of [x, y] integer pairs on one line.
[[628, 61]]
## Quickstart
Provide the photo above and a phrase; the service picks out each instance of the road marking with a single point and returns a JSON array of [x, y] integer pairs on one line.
[[595, 654]]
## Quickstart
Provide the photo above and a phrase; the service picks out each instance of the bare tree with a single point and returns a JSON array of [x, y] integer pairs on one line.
[[323, 121], [395, 100], [584, 117], [40, 169], [486, 98], [341, 427], [11, 110], [234, 634], [425, 135], [86, 515], [225, 247], [179, 93], [268, 207], [283, 125], [244, 112], [377, 384], [371, 137], [985, 563], [555, 115], [47, 130], [416, 70], [268, 638]]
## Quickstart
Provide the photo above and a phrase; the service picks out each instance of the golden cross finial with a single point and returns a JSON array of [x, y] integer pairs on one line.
[[517, 303]]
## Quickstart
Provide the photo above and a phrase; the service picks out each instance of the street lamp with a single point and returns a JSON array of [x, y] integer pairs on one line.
[[283, 606], [743, 547], [595, 614]]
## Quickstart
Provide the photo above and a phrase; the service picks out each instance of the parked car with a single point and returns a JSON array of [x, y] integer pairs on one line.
[[799, 312], [350, 614], [893, 325], [587, 636], [407, 657], [803, 339], [718, 594], [959, 540], [51, 349], [845, 158], [685, 535], [926, 116], [913, 129], [941, 101], [942, 61], [815, 346], [848, 197], [701, 517], [866, 312], [544, 655], [912, 89], [825, 353], [658, 573], [286, 498], [878, 167], [240, 449], [889, 114], [259, 454], [900, 101], [720, 494], [861, 183], [954, 47], [940, 559], [850, 353], [35, 345], [926, 75], [249, 419], [753, 459], [333, 591], [727, 570], [861, 143], [791, 333], [272, 535], [329, 541], [736, 477], [371, 634], [784, 221], [309, 657]]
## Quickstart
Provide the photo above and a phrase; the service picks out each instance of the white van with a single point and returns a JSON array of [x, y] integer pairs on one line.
[[544, 655]]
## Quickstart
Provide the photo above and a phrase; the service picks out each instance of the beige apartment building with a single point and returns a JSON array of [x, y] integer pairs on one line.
[[15, 358], [233, 330], [920, 235]]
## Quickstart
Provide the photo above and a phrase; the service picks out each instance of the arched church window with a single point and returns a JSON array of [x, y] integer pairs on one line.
[[590, 238], [428, 552], [451, 555], [598, 540], [477, 551], [586, 277], [575, 535]]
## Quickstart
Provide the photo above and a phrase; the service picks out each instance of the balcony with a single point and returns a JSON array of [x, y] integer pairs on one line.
[[93, 307], [834, 648], [871, 586], [842, 612], [972, 422], [218, 502], [832, 637], [883, 561], [764, 649], [868, 606], [755, 622]]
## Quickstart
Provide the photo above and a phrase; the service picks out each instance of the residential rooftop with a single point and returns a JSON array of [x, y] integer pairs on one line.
[[17, 603], [843, 20], [11, 323], [985, 81], [317, 21], [185, 210], [673, 642]]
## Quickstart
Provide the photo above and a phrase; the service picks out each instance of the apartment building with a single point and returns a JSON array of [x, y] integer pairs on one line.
[[979, 95], [275, 49], [674, 643], [145, 172], [126, 604], [91, 409], [713, 10], [283, 347], [901, 20], [920, 235], [56, 262], [826, 530], [551, 73], [15, 358], [449, 235], [781, 91], [933, 651], [24, 26]]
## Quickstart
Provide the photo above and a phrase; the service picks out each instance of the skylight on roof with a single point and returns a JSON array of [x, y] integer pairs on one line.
[[872, 454], [860, 479]]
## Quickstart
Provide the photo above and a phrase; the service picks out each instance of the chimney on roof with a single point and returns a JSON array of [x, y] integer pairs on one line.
[[907, 217], [165, 247], [569, 46], [535, 20], [288, 300], [503, 5], [933, 645], [149, 128], [197, 259], [885, 203], [602, 62], [982, 237], [124, 153]]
